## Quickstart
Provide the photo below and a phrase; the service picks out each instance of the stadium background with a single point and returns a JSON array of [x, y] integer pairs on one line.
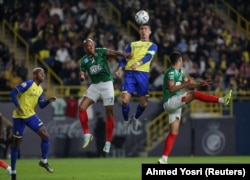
[[212, 35]]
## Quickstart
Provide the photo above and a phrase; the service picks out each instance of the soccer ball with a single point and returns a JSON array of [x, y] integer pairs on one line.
[[141, 17]]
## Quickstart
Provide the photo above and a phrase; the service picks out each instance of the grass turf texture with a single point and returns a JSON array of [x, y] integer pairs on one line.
[[106, 168]]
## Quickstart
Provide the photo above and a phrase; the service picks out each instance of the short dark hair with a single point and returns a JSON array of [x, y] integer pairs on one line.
[[174, 56], [145, 24]]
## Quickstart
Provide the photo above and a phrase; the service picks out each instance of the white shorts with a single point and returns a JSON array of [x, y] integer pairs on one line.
[[103, 90], [174, 107]]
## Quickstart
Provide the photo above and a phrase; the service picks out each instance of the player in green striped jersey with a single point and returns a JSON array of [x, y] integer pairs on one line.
[[175, 97], [95, 65]]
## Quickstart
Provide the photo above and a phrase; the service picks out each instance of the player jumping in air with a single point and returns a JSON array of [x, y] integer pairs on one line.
[[136, 77], [95, 64]]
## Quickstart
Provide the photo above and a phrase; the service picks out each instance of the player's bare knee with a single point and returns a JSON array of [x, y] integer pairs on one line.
[[125, 101], [143, 101], [45, 136], [176, 132], [43, 133], [110, 114], [109, 111], [81, 108], [143, 104], [125, 98]]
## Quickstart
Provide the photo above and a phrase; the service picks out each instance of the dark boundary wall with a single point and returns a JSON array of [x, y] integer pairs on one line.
[[214, 136], [67, 137], [242, 114], [237, 128], [182, 144], [203, 136]]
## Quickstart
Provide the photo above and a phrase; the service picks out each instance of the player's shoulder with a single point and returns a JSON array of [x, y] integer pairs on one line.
[[24, 85], [182, 71], [154, 44], [84, 60], [170, 70], [100, 49], [27, 83], [30, 81]]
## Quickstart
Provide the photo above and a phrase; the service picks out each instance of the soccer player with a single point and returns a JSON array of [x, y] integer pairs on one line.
[[174, 98], [95, 64], [25, 97], [136, 76], [5, 166]]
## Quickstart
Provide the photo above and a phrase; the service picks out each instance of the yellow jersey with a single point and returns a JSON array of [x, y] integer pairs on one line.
[[28, 95], [140, 49]]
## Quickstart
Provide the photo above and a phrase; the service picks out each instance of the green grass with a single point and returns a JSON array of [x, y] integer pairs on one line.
[[106, 168]]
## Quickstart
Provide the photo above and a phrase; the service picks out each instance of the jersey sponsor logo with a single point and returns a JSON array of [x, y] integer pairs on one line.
[[85, 60], [140, 46], [95, 69], [33, 94]]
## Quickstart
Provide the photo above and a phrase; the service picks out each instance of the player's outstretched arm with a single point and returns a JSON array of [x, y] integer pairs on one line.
[[206, 82], [118, 53]]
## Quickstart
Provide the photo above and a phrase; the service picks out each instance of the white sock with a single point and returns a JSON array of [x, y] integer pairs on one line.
[[221, 100], [108, 143], [8, 168], [164, 158], [44, 161]]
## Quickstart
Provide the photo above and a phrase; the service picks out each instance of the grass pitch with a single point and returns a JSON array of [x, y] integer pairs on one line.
[[105, 168]]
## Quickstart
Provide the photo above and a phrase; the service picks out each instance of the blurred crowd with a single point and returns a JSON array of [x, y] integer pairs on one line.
[[55, 30], [242, 6], [12, 72], [211, 47], [5, 138]]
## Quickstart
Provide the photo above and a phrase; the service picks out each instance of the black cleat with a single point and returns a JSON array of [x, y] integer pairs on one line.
[[13, 176], [46, 166]]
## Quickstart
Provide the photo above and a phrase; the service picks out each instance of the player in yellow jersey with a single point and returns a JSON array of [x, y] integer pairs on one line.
[[136, 77], [25, 98]]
